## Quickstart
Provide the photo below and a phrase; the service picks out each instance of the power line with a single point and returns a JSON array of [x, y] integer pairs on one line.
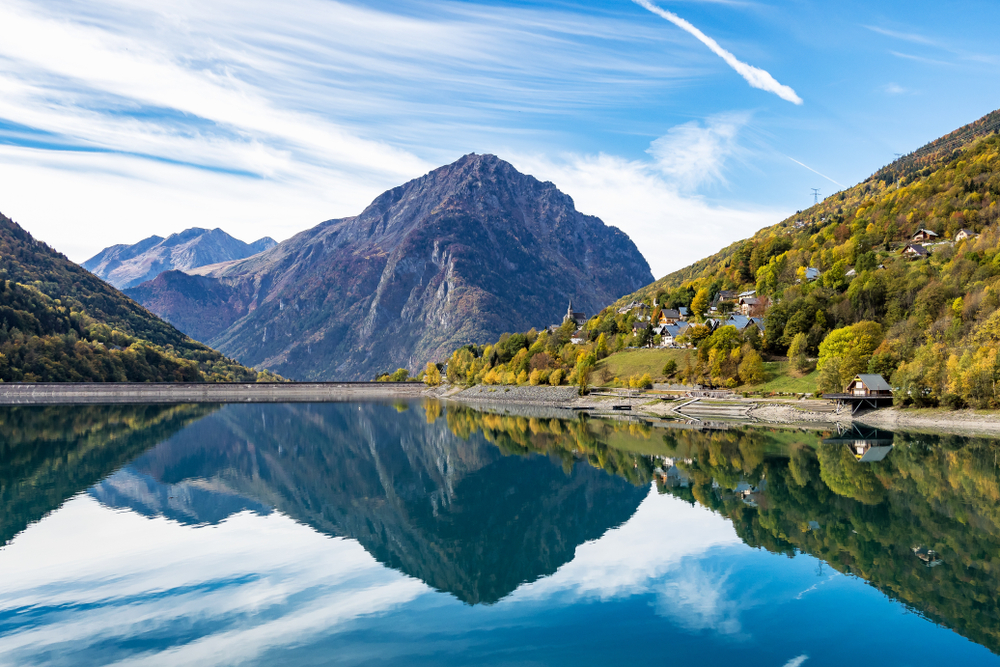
[[815, 196]]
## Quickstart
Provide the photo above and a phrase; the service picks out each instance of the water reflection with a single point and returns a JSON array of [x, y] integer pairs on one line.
[[252, 533], [439, 499], [932, 502], [48, 454], [868, 444]]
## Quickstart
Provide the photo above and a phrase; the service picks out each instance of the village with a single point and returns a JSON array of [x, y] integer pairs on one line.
[[657, 324]]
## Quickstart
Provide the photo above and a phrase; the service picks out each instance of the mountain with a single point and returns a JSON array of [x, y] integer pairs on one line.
[[927, 317], [128, 265], [460, 255], [197, 305], [59, 322]]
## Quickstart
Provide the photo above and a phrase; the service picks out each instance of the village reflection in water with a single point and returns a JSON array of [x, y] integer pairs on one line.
[[480, 503]]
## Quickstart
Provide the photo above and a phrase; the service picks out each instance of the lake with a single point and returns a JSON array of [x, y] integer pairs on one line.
[[430, 534]]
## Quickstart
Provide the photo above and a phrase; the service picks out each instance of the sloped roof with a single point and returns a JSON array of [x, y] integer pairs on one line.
[[675, 329], [916, 248], [873, 381], [876, 453]]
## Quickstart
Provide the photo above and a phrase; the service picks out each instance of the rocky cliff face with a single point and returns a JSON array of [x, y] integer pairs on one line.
[[469, 251], [128, 265], [199, 306]]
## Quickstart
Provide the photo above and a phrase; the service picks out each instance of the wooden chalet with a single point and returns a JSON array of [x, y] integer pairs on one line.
[[923, 235], [915, 251], [669, 316], [866, 391]]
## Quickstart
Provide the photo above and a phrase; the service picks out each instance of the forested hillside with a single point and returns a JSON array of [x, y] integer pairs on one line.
[[59, 322], [834, 287], [930, 323]]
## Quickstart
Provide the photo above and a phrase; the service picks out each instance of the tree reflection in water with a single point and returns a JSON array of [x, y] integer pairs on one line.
[[476, 503]]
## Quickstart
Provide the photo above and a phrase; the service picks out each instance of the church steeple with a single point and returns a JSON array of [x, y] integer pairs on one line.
[[569, 311]]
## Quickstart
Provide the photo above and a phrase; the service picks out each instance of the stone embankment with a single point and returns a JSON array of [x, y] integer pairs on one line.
[[95, 393], [540, 395]]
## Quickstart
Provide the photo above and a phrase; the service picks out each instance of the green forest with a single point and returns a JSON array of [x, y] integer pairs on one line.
[[60, 323], [930, 324]]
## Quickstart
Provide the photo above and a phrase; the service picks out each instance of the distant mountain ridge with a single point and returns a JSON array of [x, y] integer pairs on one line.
[[460, 255], [60, 323], [126, 266]]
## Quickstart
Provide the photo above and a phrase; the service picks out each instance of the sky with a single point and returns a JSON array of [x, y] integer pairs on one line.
[[688, 124]]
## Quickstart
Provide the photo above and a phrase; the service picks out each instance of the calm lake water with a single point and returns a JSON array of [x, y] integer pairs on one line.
[[375, 534]]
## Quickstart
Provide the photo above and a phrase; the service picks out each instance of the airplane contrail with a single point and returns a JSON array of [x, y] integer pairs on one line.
[[814, 171], [756, 77]]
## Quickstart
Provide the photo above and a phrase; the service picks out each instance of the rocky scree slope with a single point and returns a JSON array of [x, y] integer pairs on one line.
[[128, 265], [460, 255]]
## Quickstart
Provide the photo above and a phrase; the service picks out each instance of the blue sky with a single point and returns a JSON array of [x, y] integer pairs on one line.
[[120, 119]]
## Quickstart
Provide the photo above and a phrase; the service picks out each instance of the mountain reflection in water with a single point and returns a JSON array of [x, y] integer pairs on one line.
[[500, 510], [459, 514]]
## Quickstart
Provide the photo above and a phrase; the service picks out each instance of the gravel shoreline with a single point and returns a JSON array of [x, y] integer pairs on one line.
[[812, 413]]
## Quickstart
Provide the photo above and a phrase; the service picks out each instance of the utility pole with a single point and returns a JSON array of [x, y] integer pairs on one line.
[[815, 196], [898, 155]]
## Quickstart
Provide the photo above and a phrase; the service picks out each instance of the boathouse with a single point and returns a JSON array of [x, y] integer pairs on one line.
[[866, 390]]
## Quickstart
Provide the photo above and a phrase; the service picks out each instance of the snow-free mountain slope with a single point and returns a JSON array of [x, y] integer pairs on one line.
[[126, 266]]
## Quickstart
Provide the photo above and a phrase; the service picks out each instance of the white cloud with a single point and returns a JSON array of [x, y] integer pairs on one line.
[[233, 114], [81, 202], [121, 575], [654, 542], [756, 77], [694, 154], [699, 600]]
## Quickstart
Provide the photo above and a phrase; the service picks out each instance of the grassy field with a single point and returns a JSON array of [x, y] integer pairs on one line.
[[636, 362], [782, 381]]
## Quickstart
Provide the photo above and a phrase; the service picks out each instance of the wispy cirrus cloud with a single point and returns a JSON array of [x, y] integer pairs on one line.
[[312, 110], [905, 36], [662, 212], [933, 43], [921, 59], [756, 77], [695, 153]]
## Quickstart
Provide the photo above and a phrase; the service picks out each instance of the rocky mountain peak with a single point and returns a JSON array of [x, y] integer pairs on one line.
[[460, 255], [126, 266]]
